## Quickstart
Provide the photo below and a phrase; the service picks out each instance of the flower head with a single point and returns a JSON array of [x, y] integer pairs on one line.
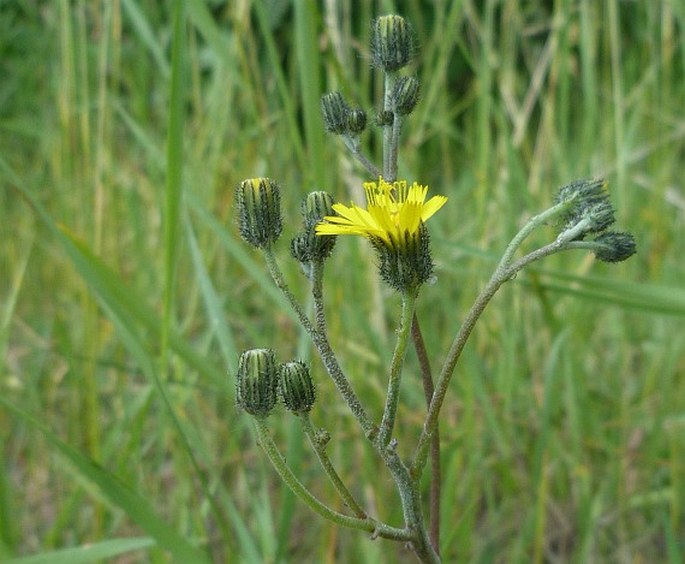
[[394, 222], [393, 210]]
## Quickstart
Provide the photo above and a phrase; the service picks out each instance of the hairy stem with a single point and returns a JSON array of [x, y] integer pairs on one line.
[[278, 462], [502, 274], [352, 143], [393, 154], [392, 399], [390, 149], [532, 224], [411, 505], [319, 447], [323, 347], [317, 294], [436, 480]]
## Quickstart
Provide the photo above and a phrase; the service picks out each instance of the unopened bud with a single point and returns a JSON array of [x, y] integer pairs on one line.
[[356, 121], [296, 387], [616, 246], [588, 207], [300, 248], [335, 112], [384, 118], [392, 44], [405, 95], [585, 192], [601, 216], [307, 246], [257, 382], [259, 211], [316, 206]]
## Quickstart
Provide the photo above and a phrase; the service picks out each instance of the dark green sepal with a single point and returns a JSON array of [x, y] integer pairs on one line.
[[405, 264]]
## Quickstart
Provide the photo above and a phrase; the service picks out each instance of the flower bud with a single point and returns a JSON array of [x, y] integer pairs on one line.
[[404, 95], [335, 112], [297, 389], [307, 246], [616, 246], [356, 121], [257, 382], [384, 118], [583, 192], [259, 211], [300, 248], [316, 206], [588, 207], [392, 44], [600, 216]]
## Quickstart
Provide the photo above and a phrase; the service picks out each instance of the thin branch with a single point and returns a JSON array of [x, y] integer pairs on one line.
[[436, 478]]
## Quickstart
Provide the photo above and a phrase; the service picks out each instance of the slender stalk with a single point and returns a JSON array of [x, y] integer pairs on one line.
[[353, 145], [527, 229], [436, 479], [393, 154], [319, 447], [317, 294], [393, 397], [500, 276], [367, 524], [324, 349], [282, 285], [389, 153]]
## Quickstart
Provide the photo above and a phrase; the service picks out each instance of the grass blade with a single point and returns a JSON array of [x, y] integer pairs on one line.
[[117, 493], [88, 552]]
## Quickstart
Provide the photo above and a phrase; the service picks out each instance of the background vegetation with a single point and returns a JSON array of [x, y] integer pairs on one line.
[[126, 295]]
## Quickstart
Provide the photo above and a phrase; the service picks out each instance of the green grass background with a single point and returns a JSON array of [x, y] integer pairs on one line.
[[126, 295]]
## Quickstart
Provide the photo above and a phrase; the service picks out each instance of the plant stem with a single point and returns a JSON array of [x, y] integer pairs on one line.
[[319, 447], [390, 149], [394, 147], [436, 480], [367, 524], [392, 399], [317, 294], [527, 229], [411, 505], [353, 145], [320, 340], [502, 274]]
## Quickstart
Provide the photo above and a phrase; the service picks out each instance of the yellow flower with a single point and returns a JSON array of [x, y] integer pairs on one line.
[[394, 213]]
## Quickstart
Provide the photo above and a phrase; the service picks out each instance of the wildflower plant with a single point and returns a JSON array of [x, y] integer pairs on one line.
[[394, 220]]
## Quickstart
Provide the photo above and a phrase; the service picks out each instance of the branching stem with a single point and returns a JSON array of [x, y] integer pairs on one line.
[[502, 274], [320, 340], [319, 447], [366, 524]]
